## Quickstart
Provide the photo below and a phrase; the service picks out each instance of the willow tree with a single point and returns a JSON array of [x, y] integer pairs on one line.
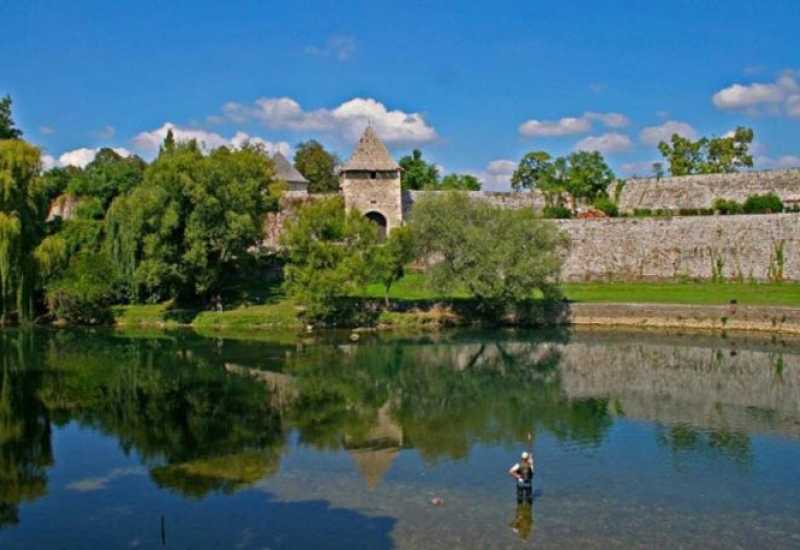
[[190, 223], [22, 205]]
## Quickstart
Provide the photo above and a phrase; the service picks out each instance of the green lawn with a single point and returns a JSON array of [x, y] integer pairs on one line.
[[414, 287], [706, 293], [281, 313]]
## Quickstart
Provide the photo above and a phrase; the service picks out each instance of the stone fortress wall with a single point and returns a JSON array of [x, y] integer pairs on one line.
[[744, 247], [700, 191], [741, 247]]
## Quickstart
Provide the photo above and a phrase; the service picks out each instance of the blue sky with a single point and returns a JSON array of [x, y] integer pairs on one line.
[[475, 85]]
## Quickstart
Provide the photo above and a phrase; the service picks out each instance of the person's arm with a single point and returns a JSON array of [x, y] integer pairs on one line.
[[514, 472]]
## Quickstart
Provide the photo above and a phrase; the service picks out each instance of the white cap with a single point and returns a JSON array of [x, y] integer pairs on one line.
[[525, 455]]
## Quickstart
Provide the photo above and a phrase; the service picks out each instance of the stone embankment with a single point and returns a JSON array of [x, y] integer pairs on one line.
[[784, 320]]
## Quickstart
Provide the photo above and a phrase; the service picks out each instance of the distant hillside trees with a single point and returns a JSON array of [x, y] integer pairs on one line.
[[708, 155], [318, 166]]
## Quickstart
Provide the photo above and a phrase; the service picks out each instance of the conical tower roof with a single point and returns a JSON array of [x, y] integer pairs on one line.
[[285, 171], [370, 154]]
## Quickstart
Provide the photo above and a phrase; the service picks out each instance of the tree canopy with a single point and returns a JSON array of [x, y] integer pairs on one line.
[[22, 210], [498, 255], [708, 155], [417, 173], [191, 219], [460, 182], [7, 129], [318, 166], [580, 175], [329, 255], [107, 176]]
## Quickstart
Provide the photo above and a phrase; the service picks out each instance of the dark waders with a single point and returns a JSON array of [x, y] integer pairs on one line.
[[525, 486]]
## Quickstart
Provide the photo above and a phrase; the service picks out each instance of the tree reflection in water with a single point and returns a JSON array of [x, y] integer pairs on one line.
[[214, 415]]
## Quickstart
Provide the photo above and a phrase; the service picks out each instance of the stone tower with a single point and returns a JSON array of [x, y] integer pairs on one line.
[[370, 182]]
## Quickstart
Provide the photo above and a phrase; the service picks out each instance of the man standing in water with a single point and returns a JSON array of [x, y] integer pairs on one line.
[[522, 471]]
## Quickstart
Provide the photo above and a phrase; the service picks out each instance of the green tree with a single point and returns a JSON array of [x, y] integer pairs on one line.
[[581, 175], [538, 170], [500, 256], [169, 143], [390, 258], [708, 155], [7, 129], [107, 176], [587, 176], [329, 255], [318, 166], [460, 182], [417, 173], [84, 293], [22, 210], [191, 221]]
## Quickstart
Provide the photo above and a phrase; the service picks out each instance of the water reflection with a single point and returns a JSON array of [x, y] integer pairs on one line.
[[217, 415]]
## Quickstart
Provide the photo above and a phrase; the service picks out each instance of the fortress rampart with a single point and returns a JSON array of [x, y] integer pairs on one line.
[[746, 247], [700, 191]]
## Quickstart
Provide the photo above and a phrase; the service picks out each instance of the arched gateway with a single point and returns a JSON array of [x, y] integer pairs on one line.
[[370, 182], [378, 219]]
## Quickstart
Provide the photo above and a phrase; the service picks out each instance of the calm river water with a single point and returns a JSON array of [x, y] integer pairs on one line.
[[142, 440]]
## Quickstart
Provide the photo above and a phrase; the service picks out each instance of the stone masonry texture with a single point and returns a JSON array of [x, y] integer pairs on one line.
[[701, 191], [747, 247]]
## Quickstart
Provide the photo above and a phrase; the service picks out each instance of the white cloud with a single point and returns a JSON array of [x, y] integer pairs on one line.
[[652, 135], [348, 120], [91, 484], [340, 47], [550, 128], [241, 138], [571, 125], [782, 95], [84, 155], [48, 162], [612, 120], [611, 142], [46, 130], [497, 175], [152, 140]]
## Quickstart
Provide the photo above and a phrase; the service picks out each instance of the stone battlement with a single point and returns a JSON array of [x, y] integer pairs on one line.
[[700, 191]]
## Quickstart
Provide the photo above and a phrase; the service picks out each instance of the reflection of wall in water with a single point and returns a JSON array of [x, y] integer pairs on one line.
[[714, 384]]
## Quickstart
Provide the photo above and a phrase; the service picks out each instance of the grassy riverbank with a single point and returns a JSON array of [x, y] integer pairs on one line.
[[274, 310], [414, 287]]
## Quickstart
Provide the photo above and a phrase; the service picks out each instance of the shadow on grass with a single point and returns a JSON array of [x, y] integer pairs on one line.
[[366, 312]]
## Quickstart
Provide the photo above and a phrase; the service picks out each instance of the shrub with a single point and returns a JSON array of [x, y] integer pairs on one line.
[[642, 212], [727, 207], [476, 247], [763, 204], [695, 211], [607, 206], [556, 212], [84, 294], [663, 213]]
